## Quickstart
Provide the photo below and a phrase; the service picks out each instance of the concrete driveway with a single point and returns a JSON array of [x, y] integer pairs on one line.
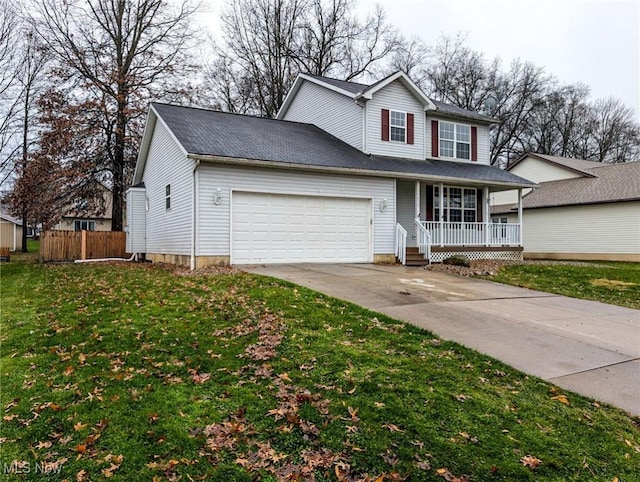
[[584, 346]]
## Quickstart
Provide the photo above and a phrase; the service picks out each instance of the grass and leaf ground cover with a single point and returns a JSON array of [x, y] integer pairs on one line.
[[138, 372], [615, 283]]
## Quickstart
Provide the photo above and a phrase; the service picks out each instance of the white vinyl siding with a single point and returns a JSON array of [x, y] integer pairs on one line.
[[284, 228], [213, 226], [597, 228], [168, 231], [482, 134], [394, 97], [335, 113]]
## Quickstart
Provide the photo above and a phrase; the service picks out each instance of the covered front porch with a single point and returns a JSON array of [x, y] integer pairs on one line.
[[435, 220]]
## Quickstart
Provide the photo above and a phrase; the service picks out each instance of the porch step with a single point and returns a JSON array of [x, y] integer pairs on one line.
[[414, 258]]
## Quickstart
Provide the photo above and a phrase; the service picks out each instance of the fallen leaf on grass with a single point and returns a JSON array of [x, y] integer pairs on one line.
[[200, 378], [561, 399], [68, 371], [392, 427], [531, 461], [449, 477]]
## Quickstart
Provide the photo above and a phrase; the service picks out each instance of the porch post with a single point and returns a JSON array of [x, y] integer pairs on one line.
[[417, 209], [485, 214], [520, 217], [441, 211]]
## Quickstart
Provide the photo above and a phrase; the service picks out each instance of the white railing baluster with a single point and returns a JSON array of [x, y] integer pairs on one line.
[[473, 234], [401, 244], [424, 240]]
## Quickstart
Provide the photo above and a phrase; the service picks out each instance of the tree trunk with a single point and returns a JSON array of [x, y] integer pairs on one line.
[[118, 165]]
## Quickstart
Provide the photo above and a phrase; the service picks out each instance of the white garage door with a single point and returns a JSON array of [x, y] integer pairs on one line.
[[279, 228]]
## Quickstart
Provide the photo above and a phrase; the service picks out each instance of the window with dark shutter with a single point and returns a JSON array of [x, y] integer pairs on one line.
[[409, 128], [435, 140], [474, 143], [385, 124]]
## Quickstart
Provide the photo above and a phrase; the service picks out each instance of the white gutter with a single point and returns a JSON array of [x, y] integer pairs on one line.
[[344, 170], [194, 204]]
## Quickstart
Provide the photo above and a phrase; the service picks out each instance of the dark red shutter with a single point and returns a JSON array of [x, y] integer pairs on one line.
[[429, 203], [385, 124], [409, 128], [434, 138], [474, 143], [479, 205]]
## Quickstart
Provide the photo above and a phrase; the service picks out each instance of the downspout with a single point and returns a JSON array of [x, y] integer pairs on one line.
[[192, 263]]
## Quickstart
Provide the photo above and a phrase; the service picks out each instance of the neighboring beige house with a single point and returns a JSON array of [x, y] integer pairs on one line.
[[582, 210], [10, 231], [79, 218]]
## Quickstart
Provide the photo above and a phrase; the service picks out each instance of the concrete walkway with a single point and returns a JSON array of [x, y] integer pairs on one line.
[[584, 346]]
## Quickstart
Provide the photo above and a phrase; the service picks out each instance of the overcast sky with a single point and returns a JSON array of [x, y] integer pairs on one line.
[[596, 42]]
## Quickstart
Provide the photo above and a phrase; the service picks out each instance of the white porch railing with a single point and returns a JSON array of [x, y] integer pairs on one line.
[[424, 240], [473, 234], [401, 243]]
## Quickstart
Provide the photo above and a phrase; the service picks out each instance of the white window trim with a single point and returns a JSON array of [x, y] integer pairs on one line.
[[447, 207], [454, 140], [167, 197], [404, 113]]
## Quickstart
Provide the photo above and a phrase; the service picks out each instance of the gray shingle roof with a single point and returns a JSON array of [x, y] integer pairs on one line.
[[211, 133], [613, 182], [454, 110], [353, 87]]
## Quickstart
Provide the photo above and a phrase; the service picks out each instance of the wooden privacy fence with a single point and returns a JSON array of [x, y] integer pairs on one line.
[[72, 245]]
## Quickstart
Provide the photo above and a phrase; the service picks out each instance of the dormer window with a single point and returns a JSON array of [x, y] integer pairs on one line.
[[398, 126], [455, 140]]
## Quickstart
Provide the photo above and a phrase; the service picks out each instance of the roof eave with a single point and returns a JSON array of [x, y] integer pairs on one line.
[[343, 170]]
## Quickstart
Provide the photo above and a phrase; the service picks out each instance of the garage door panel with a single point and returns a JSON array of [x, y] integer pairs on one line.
[[280, 228]]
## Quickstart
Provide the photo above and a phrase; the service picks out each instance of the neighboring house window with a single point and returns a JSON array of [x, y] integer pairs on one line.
[[456, 141], [167, 196], [397, 126], [459, 204], [83, 225]]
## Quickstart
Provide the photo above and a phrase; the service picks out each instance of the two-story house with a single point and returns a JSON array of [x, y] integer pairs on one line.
[[346, 173]]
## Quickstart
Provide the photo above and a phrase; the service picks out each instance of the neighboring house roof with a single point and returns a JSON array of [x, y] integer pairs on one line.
[[239, 139], [4, 214], [605, 183], [503, 208], [577, 165], [357, 90]]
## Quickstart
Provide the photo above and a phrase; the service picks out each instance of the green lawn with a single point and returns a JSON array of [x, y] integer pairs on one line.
[[613, 283], [134, 372]]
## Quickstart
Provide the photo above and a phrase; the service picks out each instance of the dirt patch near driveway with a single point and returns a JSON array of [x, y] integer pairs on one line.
[[489, 267]]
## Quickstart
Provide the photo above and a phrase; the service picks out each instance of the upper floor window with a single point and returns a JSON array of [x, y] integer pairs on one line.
[[167, 196], [455, 140], [398, 126]]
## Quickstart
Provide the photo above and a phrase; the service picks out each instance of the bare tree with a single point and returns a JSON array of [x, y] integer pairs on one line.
[[9, 91], [126, 52], [616, 136], [268, 42]]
